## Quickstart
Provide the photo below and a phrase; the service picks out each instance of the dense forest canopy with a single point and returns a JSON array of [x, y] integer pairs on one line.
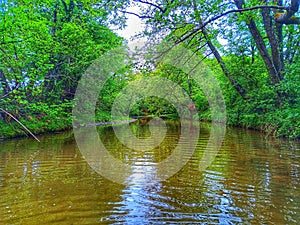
[[255, 44], [44, 49], [252, 46], [253, 27]]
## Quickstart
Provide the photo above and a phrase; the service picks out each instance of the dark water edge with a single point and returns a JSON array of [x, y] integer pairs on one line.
[[268, 132], [253, 180]]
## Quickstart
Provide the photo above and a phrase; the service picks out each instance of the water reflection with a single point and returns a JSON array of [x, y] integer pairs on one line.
[[252, 180]]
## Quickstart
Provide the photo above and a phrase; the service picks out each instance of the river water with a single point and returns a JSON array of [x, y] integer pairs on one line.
[[252, 180]]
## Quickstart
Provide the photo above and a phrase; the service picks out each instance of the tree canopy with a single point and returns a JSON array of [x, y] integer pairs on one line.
[[252, 46]]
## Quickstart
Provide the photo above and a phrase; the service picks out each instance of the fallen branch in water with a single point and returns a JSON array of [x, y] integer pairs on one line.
[[20, 124], [110, 123]]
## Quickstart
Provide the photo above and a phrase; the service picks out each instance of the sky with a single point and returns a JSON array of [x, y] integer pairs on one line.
[[134, 25]]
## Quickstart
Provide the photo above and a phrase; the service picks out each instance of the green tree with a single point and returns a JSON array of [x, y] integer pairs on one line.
[[200, 23], [255, 43], [45, 47]]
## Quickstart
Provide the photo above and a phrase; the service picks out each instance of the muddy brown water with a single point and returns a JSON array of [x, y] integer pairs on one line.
[[252, 180]]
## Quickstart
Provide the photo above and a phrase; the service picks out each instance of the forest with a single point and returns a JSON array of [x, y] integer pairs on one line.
[[251, 46]]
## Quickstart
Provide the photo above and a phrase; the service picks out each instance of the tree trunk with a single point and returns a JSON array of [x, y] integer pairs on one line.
[[272, 37], [288, 17], [275, 79], [273, 63], [280, 37], [217, 55]]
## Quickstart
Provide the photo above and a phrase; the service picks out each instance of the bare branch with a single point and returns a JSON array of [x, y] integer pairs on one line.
[[243, 10], [151, 4], [193, 33], [20, 124], [137, 15], [199, 62]]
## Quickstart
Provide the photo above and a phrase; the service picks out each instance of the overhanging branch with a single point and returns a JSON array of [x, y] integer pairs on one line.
[[135, 14], [151, 4], [288, 17], [244, 10]]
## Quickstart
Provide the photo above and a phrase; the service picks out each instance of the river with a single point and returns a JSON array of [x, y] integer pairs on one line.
[[252, 180]]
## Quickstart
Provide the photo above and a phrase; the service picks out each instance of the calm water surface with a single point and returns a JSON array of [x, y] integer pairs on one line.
[[252, 180]]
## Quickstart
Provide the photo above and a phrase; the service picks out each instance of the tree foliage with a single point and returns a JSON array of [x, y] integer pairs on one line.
[[255, 43], [251, 46], [45, 47]]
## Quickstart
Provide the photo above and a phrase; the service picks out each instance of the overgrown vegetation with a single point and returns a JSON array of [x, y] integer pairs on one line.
[[251, 46], [45, 48]]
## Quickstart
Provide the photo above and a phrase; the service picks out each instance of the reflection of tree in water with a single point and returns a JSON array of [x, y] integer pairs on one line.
[[251, 180], [50, 182]]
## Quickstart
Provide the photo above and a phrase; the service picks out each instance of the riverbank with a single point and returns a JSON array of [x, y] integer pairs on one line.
[[280, 123], [12, 129], [274, 125]]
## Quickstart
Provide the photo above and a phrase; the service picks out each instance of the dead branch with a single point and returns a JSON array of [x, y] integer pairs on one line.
[[20, 124]]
